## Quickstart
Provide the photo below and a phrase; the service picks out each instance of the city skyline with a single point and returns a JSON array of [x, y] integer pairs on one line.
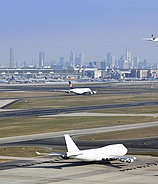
[[110, 60], [86, 26]]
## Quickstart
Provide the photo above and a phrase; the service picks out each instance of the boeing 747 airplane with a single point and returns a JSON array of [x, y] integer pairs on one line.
[[153, 39], [103, 154], [79, 91]]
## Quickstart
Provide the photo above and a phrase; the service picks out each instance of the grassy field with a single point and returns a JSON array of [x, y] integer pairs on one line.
[[22, 151], [33, 125], [124, 134], [70, 101]]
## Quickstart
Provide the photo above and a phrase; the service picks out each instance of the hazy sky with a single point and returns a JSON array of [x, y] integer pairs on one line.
[[94, 27]]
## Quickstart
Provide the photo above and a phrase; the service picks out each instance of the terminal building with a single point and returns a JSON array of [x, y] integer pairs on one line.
[[77, 73]]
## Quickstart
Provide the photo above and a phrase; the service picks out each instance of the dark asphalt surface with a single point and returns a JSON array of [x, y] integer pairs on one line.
[[146, 144], [102, 88], [42, 112]]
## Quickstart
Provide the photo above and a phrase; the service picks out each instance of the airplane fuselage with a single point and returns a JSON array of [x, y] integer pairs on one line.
[[155, 40], [99, 154], [81, 91]]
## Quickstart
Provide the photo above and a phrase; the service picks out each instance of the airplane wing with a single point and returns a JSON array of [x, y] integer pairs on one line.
[[147, 39], [65, 90], [124, 158], [53, 154]]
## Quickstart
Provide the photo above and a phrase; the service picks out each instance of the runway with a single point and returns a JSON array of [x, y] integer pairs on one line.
[[100, 114], [43, 112], [101, 87]]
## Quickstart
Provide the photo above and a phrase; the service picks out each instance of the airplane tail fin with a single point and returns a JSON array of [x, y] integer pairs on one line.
[[153, 37], [71, 146], [71, 85]]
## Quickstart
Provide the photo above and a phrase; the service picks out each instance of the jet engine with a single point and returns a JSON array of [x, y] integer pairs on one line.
[[94, 92]]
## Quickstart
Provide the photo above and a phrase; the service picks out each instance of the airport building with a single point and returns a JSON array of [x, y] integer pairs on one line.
[[91, 74]]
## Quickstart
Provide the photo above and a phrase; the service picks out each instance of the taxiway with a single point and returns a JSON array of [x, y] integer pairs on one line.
[[144, 171]]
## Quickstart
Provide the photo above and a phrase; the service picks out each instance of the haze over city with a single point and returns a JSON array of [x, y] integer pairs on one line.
[[93, 27]]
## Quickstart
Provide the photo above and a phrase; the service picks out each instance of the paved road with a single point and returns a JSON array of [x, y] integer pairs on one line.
[[102, 114], [146, 145], [42, 112]]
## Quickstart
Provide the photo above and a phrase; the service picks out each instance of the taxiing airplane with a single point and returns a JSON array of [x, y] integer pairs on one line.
[[104, 154], [151, 39], [79, 91]]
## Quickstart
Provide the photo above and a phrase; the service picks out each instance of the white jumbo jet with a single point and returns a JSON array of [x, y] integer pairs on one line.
[[153, 39], [79, 91], [103, 154]]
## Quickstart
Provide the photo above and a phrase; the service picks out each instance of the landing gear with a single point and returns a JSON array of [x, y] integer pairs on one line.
[[105, 161]]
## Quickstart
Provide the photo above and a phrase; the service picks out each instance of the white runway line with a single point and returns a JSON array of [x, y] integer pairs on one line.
[[99, 114]]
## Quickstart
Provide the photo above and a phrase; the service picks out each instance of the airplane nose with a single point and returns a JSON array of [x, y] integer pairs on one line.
[[125, 150]]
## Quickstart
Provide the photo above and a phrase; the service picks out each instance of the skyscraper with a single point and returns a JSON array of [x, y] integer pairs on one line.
[[108, 60], [72, 58], [135, 61], [113, 61], [41, 59], [77, 61], [11, 64], [128, 56], [81, 56], [62, 61], [120, 62]]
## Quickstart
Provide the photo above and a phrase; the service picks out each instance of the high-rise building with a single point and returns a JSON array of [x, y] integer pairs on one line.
[[126, 64], [103, 65], [72, 58], [113, 61], [62, 61], [120, 62], [77, 61], [108, 59], [41, 59], [33, 62], [145, 63], [135, 61], [81, 56], [11, 64], [128, 56]]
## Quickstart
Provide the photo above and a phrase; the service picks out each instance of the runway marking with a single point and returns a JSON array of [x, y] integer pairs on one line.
[[99, 114]]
